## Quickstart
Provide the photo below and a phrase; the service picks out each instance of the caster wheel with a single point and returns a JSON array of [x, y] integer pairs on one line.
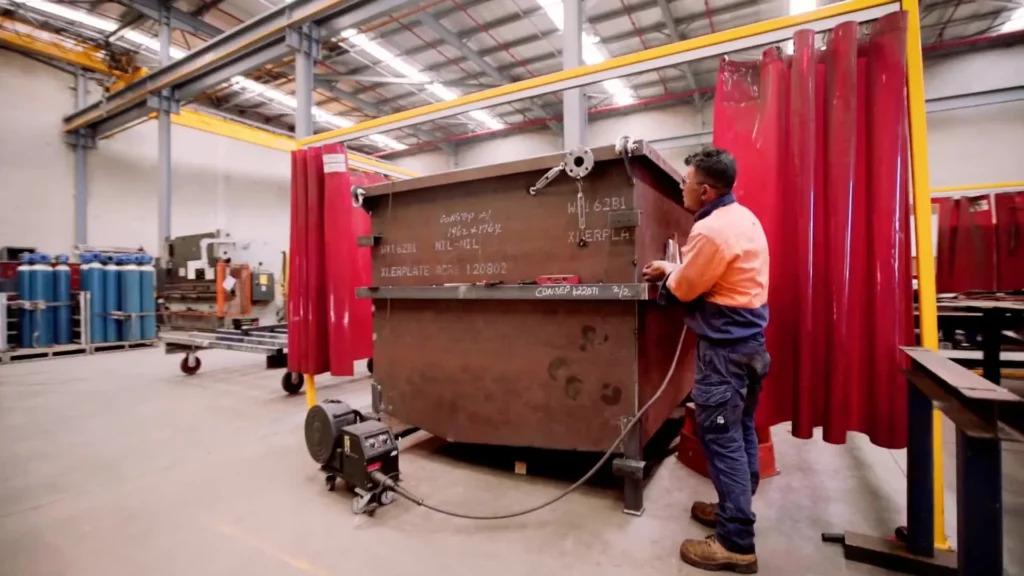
[[369, 365], [288, 382], [332, 482], [360, 504], [190, 370], [387, 497]]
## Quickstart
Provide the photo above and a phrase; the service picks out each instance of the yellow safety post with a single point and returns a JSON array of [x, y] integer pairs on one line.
[[310, 390], [927, 308]]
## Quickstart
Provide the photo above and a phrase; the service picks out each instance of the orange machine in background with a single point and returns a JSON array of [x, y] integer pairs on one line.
[[234, 298]]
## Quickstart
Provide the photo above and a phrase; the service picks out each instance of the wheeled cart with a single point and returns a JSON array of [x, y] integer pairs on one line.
[[270, 341]]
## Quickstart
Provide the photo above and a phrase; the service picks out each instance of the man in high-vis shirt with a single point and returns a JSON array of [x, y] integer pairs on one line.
[[722, 281]]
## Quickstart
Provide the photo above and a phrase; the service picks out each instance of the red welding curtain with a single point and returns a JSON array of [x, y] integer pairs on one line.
[[328, 327], [821, 144], [307, 303], [979, 244]]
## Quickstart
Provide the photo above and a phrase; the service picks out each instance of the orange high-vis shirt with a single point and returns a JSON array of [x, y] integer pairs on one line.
[[723, 277]]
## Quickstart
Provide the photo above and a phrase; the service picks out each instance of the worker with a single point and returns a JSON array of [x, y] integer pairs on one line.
[[722, 282]]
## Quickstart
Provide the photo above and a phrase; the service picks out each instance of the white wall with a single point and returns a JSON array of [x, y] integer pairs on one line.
[[976, 145], [217, 183]]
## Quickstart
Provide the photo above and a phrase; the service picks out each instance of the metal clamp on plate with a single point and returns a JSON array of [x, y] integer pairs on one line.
[[578, 162]]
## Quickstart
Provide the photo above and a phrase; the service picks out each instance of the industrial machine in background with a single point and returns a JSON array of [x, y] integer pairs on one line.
[[215, 288], [212, 281]]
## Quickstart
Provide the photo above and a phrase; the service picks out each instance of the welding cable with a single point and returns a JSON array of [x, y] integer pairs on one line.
[[389, 484]]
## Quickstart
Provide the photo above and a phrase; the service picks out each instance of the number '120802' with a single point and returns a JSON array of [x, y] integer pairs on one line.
[[486, 268]]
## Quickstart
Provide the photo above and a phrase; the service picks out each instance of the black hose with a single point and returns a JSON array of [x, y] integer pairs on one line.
[[390, 484]]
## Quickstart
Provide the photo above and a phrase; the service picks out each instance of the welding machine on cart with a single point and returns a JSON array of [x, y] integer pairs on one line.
[[354, 449]]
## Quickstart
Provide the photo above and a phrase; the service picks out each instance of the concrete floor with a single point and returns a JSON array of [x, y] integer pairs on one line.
[[118, 464]]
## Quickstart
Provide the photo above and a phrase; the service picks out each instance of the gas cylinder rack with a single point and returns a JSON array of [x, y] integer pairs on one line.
[[52, 307], [45, 315]]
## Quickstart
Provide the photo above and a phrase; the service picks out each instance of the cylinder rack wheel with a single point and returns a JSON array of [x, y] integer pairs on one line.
[[188, 369], [292, 382], [369, 365]]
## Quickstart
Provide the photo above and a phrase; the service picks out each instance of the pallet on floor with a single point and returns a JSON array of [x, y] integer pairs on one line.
[[118, 346], [42, 353]]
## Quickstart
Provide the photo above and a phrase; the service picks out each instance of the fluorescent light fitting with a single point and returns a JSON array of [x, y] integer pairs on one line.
[[388, 142], [1016, 21], [442, 91], [402, 67], [73, 14], [383, 54]]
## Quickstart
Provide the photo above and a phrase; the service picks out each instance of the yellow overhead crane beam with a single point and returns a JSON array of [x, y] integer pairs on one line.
[[28, 38]]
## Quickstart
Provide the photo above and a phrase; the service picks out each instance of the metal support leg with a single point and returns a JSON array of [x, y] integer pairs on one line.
[[574, 105], [631, 468], [991, 343], [920, 512], [306, 43], [979, 501]]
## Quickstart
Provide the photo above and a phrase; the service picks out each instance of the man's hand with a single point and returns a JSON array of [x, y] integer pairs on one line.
[[657, 271]]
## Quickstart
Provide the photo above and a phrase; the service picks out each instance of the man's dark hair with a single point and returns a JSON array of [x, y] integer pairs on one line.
[[715, 167]]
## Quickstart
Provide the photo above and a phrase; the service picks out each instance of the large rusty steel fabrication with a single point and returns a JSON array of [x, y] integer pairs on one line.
[[469, 347]]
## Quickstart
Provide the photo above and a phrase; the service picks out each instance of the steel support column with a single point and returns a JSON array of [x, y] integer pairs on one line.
[[305, 42], [81, 181], [164, 135], [574, 103]]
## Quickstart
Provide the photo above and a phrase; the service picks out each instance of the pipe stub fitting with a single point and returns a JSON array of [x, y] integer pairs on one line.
[[579, 161]]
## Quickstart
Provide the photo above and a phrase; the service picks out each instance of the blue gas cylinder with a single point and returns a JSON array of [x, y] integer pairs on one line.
[[62, 300], [131, 295], [92, 282], [147, 295], [42, 292], [26, 327], [111, 297]]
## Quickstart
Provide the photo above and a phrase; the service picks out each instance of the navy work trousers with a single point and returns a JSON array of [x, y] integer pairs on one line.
[[727, 386]]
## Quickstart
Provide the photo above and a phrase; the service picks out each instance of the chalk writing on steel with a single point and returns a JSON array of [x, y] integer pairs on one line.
[[402, 271], [559, 290], [408, 248], [465, 216], [451, 245], [622, 291], [600, 235], [486, 268], [600, 205], [481, 229]]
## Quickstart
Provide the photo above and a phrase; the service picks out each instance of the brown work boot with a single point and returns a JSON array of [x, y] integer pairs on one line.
[[704, 513], [708, 554]]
